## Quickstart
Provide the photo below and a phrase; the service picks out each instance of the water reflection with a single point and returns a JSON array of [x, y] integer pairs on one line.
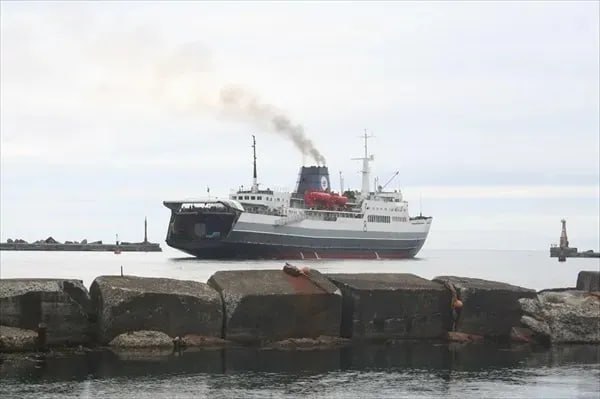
[[407, 369], [444, 361]]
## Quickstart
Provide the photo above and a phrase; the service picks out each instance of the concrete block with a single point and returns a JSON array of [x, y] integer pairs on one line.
[[588, 281], [174, 307], [270, 305], [62, 305], [490, 308], [392, 305]]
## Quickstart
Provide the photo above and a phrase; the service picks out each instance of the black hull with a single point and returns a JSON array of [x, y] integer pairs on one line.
[[229, 250]]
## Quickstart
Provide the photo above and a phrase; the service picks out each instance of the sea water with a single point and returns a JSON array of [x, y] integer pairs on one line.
[[411, 369]]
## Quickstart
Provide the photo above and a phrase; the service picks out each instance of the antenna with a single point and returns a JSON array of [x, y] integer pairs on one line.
[[420, 205], [366, 137], [254, 181]]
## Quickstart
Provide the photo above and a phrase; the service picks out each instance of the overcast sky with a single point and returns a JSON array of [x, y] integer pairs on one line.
[[490, 111]]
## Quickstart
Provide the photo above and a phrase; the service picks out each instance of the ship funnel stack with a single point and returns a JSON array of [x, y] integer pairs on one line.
[[254, 178], [313, 178], [364, 192]]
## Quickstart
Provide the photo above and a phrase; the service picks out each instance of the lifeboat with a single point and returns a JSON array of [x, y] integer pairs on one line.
[[317, 198], [323, 199], [339, 200]]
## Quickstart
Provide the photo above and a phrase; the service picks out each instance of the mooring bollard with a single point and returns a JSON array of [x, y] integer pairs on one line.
[[41, 337]]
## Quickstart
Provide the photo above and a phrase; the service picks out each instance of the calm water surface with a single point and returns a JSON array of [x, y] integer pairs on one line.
[[401, 370], [531, 269]]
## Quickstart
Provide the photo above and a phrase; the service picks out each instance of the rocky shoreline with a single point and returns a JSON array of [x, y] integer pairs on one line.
[[279, 310]]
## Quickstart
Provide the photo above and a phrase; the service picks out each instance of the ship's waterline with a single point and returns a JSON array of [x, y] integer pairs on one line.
[[260, 250]]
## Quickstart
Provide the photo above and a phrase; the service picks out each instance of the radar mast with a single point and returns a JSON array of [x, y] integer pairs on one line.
[[364, 192]]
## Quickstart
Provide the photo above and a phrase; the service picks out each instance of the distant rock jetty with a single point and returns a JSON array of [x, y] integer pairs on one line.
[[50, 244], [298, 310], [562, 251]]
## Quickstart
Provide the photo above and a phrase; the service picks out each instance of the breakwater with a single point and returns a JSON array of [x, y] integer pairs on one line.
[[293, 309], [98, 247], [50, 244], [561, 253]]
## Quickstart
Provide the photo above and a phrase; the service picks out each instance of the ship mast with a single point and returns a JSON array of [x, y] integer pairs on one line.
[[254, 180], [364, 192]]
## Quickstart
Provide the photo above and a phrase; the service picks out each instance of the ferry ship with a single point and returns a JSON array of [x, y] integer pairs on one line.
[[312, 222]]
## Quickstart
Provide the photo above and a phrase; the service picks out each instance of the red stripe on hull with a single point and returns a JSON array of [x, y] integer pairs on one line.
[[340, 255]]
